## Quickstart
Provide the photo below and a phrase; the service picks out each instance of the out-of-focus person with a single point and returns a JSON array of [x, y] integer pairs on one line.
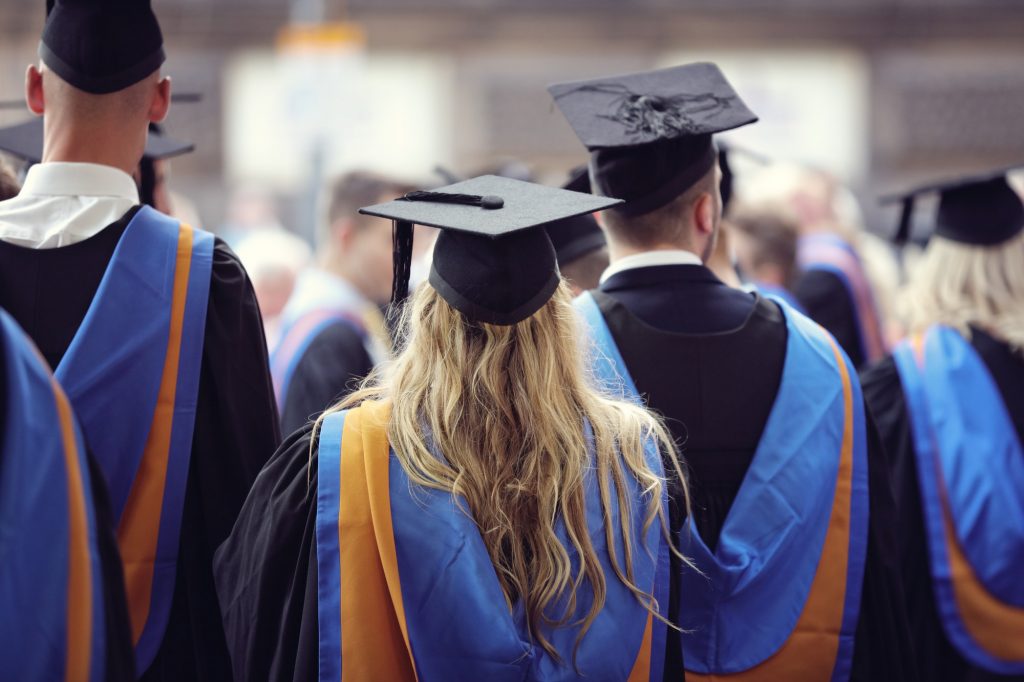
[[523, 534], [274, 259], [949, 404], [580, 246], [63, 601], [833, 285], [332, 329], [765, 242], [152, 327], [749, 388]]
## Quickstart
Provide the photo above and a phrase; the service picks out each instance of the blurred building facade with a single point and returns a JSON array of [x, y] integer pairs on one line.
[[882, 92]]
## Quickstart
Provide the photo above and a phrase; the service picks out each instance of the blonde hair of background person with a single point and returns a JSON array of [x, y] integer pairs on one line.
[[961, 285], [506, 407]]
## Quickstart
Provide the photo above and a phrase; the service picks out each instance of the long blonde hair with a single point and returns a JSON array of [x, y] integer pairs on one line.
[[960, 285], [506, 406]]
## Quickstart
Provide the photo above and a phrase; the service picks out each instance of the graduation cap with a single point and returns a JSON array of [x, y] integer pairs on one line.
[[25, 141], [576, 236], [981, 210], [492, 261], [101, 46], [650, 133]]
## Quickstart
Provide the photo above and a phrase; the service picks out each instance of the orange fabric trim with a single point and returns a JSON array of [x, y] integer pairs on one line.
[[642, 668], [810, 652], [139, 529], [374, 640], [994, 625], [79, 608]]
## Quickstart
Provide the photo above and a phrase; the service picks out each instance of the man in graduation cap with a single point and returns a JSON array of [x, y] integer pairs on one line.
[[152, 327], [949, 403], [797, 577]]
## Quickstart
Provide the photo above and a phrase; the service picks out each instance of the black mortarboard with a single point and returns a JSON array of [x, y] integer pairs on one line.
[[579, 235], [25, 141], [489, 262], [101, 46], [982, 210], [650, 133]]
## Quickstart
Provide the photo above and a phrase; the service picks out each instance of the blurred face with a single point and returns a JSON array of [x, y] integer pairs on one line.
[[367, 255]]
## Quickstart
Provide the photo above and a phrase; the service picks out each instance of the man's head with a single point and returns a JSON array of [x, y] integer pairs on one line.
[[9, 186], [353, 246], [690, 222], [98, 83], [765, 244]]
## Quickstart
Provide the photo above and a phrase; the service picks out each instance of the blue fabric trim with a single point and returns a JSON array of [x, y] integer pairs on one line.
[[608, 368], [328, 496], [954, 402], [769, 548], [114, 366], [782, 295], [186, 401], [459, 626], [34, 529]]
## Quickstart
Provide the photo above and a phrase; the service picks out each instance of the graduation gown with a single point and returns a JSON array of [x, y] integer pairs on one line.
[[883, 391], [118, 659], [826, 300], [332, 365], [709, 358], [236, 428]]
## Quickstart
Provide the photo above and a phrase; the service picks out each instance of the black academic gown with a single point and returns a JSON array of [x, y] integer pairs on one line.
[[883, 392], [48, 292], [333, 364], [709, 358], [827, 301], [119, 657]]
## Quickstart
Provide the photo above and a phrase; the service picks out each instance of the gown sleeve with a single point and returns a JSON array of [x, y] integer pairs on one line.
[[331, 367], [266, 571], [883, 644], [827, 301], [236, 431]]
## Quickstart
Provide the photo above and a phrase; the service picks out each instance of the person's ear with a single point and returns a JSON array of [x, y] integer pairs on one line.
[[704, 214], [161, 102], [343, 234], [34, 90]]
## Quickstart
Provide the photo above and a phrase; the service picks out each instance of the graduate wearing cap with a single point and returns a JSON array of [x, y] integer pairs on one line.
[[63, 604], [580, 246], [448, 520], [152, 328], [949, 403], [789, 490]]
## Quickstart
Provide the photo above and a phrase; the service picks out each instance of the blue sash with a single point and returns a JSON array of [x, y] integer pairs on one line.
[[777, 293], [970, 467], [755, 596], [295, 340], [132, 375], [51, 589], [451, 605]]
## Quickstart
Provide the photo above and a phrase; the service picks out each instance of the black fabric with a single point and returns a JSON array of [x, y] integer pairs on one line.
[[102, 46], [501, 280], [575, 237], [883, 392], [827, 301], [981, 214], [333, 364], [267, 573], [709, 358], [48, 291]]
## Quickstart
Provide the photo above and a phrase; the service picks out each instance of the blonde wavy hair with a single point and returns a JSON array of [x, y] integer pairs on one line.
[[506, 406], [960, 285]]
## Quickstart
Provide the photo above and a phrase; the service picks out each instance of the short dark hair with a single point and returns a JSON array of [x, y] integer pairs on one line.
[[666, 224], [346, 194], [9, 186], [774, 235], [585, 271]]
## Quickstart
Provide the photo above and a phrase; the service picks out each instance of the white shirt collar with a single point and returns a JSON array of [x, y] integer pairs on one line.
[[649, 259], [59, 178]]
